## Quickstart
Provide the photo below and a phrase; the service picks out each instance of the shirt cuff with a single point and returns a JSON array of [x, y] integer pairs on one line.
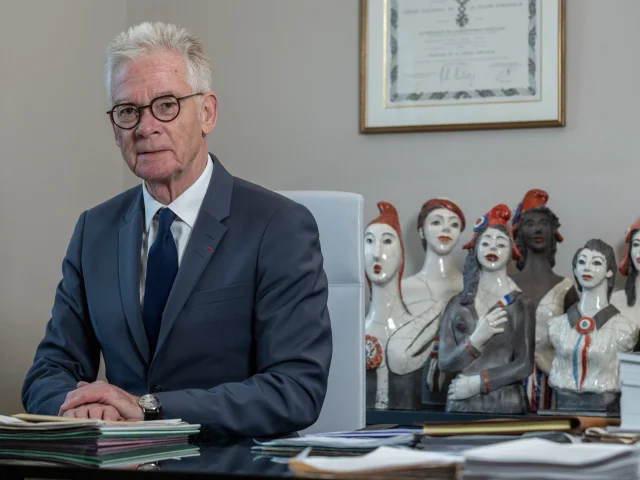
[[471, 350], [484, 381]]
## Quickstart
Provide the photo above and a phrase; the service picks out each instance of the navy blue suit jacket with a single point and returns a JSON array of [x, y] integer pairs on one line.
[[245, 343]]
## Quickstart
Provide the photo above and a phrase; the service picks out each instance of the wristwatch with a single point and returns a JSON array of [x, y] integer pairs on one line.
[[150, 405]]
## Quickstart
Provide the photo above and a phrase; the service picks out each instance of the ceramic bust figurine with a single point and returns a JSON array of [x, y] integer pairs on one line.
[[488, 331], [440, 223], [588, 338], [627, 300], [384, 264], [535, 229]]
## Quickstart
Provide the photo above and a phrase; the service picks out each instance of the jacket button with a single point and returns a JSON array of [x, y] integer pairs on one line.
[[155, 389]]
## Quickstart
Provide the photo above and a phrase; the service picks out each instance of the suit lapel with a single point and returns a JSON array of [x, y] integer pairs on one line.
[[129, 248], [207, 233]]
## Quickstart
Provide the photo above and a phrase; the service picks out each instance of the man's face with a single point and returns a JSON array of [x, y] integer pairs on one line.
[[156, 150]]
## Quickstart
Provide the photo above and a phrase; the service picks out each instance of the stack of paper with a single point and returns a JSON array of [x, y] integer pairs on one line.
[[384, 462], [630, 390], [536, 458], [93, 443], [328, 445]]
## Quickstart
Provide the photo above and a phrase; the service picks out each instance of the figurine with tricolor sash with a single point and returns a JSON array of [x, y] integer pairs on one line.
[[415, 345], [488, 330], [535, 229], [384, 264], [627, 300], [589, 337]]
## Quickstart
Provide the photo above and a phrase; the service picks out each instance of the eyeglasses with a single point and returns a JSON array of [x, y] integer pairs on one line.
[[164, 108]]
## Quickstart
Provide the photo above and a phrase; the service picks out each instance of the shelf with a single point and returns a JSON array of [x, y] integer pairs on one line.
[[408, 418]]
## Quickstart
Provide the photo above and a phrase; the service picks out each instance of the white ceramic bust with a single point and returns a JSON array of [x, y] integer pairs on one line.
[[588, 338], [384, 262], [628, 299], [440, 224]]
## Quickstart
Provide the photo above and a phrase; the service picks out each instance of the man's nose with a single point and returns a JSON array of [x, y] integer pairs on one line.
[[148, 124]]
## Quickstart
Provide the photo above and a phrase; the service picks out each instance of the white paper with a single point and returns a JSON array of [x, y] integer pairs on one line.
[[383, 457], [337, 442], [535, 450]]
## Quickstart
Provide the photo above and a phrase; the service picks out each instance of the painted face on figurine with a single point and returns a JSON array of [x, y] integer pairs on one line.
[[591, 269], [493, 249], [441, 230], [635, 250], [536, 231], [382, 253]]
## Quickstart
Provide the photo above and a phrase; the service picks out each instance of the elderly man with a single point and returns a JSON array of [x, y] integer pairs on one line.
[[205, 293]]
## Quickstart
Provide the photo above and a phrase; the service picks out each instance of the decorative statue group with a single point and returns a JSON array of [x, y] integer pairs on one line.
[[489, 342]]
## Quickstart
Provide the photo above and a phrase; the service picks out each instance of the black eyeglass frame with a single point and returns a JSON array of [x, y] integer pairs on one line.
[[150, 107]]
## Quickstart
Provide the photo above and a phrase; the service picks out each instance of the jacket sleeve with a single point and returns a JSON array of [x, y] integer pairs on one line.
[[521, 366], [69, 351], [293, 336], [454, 357]]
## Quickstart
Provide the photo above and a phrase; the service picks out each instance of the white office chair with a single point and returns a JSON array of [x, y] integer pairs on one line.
[[339, 217]]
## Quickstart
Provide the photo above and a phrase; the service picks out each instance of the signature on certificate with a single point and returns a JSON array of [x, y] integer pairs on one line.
[[505, 75], [456, 73]]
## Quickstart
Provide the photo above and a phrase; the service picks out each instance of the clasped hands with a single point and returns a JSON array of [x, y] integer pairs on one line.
[[101, 401], [465, 386]]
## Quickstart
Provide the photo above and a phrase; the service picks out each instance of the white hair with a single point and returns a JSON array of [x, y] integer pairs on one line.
[[146, 38]]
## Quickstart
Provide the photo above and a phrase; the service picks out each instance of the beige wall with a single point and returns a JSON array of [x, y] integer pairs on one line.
[[286, 72], [57, 155]]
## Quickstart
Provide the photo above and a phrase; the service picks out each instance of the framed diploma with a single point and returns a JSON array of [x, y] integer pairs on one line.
[[461, 64]]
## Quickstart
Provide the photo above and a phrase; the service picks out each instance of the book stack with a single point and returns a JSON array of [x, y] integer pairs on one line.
[[93, 443], [630, 390]]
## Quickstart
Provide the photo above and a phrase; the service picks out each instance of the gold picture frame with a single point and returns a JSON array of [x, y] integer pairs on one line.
[[541, 103]]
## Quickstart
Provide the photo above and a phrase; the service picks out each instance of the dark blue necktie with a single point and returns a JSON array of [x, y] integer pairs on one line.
[[162, 267]]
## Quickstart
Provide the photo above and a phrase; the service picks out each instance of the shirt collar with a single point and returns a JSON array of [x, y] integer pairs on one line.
[[187, 205]]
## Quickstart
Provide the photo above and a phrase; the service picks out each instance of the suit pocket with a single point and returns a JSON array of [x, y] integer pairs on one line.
[[217, 295]]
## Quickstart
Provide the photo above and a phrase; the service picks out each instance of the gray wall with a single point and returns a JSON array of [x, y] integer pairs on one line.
[[286, 73], [58, 158]]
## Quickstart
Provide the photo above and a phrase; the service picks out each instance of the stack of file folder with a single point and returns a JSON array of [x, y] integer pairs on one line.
[[382, 463], [330, 445], [535, 458], [93, 443]]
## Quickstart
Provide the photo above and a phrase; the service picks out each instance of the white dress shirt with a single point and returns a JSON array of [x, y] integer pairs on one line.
[[186, 207]]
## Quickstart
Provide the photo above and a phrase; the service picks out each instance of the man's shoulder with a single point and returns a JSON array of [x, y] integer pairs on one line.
[[116, 207], [260, 200]]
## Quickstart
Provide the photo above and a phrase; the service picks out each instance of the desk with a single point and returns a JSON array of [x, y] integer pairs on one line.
[[215, 460]]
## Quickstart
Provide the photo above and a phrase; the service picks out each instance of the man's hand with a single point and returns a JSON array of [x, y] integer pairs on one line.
[[104, 394], [95, 411]]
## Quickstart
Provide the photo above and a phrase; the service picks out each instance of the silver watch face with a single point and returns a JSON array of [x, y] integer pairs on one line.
[[149, 402]]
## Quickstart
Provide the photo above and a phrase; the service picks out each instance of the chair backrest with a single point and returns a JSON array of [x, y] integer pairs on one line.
[[339, 216]]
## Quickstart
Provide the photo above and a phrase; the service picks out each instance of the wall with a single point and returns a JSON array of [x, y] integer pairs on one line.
[[286, 73], [58, 158]]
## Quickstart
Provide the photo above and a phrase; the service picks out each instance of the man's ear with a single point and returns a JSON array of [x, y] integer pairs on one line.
[[209, 112]]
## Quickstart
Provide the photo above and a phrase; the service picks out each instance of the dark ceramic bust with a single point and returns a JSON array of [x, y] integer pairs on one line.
[[536, 232]]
